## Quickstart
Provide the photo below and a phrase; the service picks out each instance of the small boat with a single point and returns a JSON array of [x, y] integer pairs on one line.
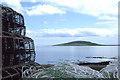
[[95, 65]]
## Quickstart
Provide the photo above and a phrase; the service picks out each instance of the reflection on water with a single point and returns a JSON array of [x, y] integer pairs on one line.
[[54, 54]]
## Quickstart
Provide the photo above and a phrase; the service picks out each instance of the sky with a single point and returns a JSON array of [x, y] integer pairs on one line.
[[51, 22]]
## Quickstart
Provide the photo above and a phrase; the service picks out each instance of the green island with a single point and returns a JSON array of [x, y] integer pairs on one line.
[[81, 43]]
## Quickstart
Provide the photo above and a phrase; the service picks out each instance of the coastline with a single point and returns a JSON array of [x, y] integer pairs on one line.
[[82, 43]]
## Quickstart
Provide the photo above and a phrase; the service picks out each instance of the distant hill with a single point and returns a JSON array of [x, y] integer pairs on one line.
[[81, 43]]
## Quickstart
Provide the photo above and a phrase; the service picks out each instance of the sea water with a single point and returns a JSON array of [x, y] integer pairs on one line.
[[55, 54]]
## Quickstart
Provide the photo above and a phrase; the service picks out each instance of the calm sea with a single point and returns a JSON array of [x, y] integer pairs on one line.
[[55, 54]]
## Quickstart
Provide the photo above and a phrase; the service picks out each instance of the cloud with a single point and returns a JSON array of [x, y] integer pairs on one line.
[[111, 23], [102, 9], [45, 22], [92, 7], [33, 1], [107, 17], [15, 4], [44, 9], [79, 32]]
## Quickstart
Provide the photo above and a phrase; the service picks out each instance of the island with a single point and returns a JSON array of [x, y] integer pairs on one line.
[[81, 43]]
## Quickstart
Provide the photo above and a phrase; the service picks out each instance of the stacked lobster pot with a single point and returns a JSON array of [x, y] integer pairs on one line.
[[17, 49]]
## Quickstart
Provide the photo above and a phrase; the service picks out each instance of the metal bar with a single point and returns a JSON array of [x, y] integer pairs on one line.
[[0, 41]]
